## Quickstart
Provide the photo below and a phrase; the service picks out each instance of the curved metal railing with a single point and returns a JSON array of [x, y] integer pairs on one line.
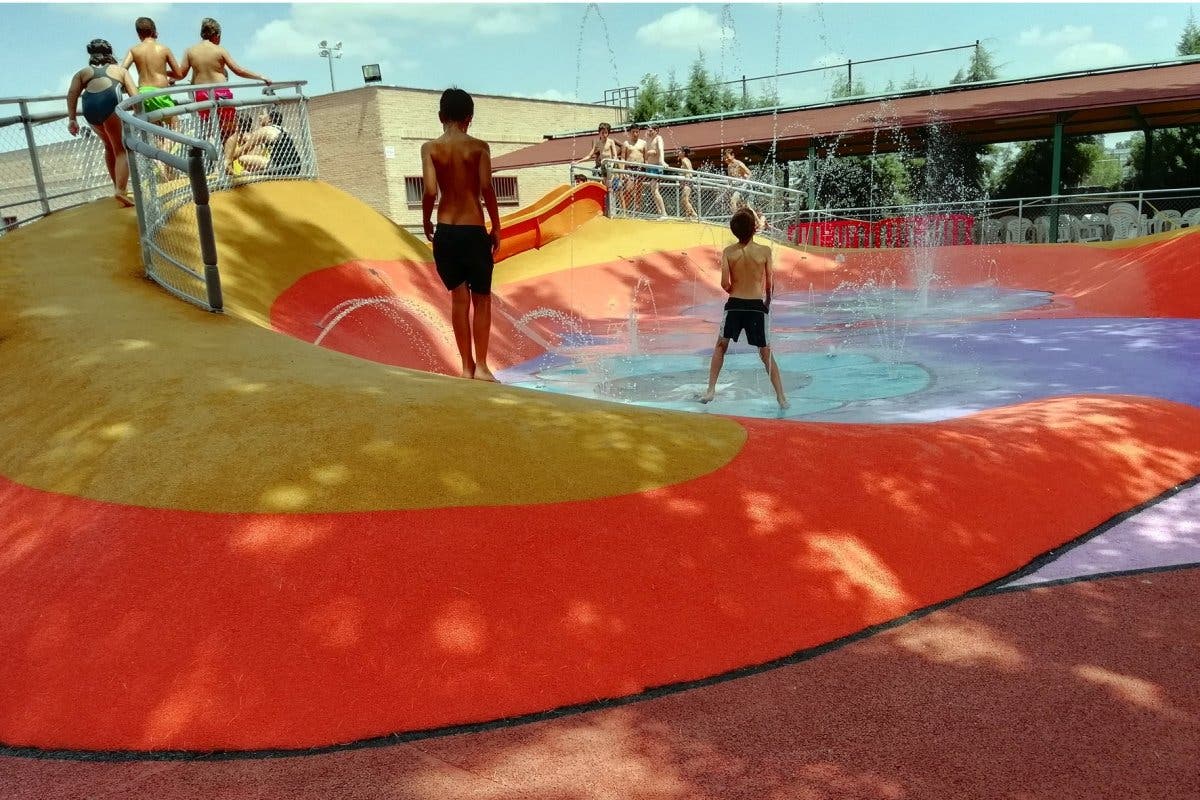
[[42, 167], [181, 154], [634, 192]]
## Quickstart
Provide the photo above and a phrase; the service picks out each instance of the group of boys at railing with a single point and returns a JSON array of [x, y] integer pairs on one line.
[[709, 196]]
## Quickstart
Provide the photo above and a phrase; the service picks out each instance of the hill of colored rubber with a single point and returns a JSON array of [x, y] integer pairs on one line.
[[214, 536]]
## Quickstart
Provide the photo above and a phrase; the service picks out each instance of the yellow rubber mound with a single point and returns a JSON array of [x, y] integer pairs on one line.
[[118, 391]]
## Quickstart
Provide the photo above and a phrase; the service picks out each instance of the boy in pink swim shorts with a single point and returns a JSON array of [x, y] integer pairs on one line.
[[208, 61]]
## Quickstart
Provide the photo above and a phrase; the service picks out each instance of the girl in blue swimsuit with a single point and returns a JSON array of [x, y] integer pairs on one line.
[[99, 84]]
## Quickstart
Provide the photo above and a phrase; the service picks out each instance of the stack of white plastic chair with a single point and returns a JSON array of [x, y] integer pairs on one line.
[[1018, 231], [1167, 219], [993, 229], [1124, 225], [1041, 227], [1089, 228], [1190, 218], [1140, 221]]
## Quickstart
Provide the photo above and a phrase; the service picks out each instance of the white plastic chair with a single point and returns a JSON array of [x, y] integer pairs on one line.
[[1124, 225], [1018, 231], [1088, 228], [1041, 227], [1190, 218], [1117, 208], [1166, 220], [993, 230]]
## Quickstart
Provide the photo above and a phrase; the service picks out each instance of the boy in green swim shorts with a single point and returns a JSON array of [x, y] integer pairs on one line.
[[156, 67]]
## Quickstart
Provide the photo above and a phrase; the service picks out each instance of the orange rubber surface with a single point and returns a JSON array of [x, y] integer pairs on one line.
[[1076, 692], [136, 628], [207, 631]]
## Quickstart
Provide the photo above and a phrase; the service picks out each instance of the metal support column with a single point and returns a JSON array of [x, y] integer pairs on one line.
[[812, 176], [1151, 174], [208, 242], [1056, 177], [128, 135], [33, 157], [1148, 161]]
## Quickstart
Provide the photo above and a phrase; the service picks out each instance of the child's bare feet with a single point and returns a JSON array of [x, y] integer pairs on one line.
[[707, 397], [482, 373], [783, 402]]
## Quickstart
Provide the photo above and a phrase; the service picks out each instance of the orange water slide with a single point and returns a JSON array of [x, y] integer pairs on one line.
[[560, 212]]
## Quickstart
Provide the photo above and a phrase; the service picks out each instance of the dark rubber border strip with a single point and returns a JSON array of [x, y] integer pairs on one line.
[[997, 586]]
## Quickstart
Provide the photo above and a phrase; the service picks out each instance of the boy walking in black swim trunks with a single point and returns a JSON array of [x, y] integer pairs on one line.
[[460, 167], [746, 269]]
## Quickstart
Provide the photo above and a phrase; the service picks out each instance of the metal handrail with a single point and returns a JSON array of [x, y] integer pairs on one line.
[[784, 206], [138, 131], [696, 177]]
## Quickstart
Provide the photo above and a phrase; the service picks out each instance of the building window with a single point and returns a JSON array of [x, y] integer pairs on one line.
[[506, 190], [413, 189], [507, 193]]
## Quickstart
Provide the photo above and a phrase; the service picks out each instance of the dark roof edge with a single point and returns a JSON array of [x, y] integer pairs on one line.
[[473, 94], [925, 91]]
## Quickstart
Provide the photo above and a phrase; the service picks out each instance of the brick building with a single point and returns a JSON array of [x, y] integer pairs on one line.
[[368, 142]]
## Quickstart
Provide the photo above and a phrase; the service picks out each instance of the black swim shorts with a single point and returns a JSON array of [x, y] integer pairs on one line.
[[463, 254], [745, 315]]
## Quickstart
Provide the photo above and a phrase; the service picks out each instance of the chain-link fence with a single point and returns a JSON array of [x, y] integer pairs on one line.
[[213, 138], [649, 192], [42, 167], [645, 191], [1096, 217]]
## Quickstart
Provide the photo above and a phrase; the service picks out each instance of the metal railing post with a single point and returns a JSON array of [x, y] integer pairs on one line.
[[208, 242], [138, 201], [33, 157]]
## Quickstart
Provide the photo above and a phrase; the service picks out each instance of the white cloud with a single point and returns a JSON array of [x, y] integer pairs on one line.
[[117, 12], [528, 19], [829, 60], [1092, 54], [279, 38], [1157, 23], [552, 94], [1066, 35], [371, 30], [685, 29]]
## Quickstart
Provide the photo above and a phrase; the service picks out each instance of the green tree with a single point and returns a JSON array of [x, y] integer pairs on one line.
[[1189, 42], [1027, 174], [1176, 154], [842, 88], [855, 181], [1176, 163], [950, 169], [651, 100], [673, 98], [1106, 171], [702, 95], [981, 67]]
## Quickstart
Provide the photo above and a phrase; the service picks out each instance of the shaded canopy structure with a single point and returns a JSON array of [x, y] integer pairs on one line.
[[1142, 97]]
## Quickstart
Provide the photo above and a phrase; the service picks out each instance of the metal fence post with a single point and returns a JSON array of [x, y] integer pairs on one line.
[[33, 157], [139, 202], [208, 243]]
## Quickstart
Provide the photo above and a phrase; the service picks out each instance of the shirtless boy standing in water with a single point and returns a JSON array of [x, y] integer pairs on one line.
[[156, 67], [460, 168], [746, 269]]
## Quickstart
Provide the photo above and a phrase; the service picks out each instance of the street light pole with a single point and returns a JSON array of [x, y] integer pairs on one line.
[[329, 53]]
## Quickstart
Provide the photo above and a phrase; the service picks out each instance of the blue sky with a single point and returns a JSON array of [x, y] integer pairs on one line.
[[534, 49]]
